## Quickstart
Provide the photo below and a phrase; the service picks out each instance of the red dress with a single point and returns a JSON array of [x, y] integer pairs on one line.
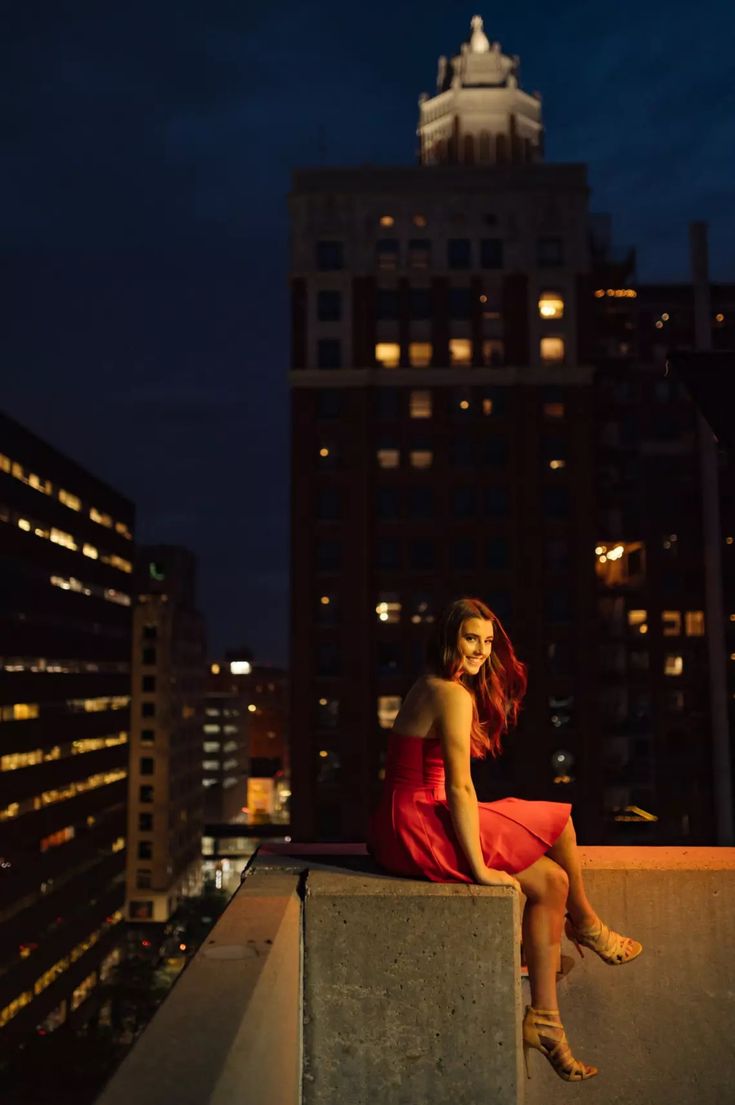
[[411, 831]]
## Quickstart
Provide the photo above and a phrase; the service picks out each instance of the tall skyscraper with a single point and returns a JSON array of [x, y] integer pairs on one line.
[[469, 358], [66, 561], [166, 798]]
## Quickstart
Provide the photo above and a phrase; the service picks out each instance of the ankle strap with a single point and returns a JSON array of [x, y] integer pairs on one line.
[[544, 1012]]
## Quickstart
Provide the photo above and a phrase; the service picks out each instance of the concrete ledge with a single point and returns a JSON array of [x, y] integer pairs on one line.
[[411, 992], [230, 1030]]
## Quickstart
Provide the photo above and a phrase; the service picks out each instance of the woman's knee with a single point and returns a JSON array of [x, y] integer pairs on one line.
[[545, 881]]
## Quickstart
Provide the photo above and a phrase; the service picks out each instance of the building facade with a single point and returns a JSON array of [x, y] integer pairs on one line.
[[166, 798], [478, 408], [66, 561], [226, 740]]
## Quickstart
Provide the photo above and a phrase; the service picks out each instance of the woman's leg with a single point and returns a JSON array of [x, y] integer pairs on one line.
[[546, 887], [564, 852]]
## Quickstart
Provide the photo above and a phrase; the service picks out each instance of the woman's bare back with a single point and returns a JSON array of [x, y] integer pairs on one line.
[[420, 709]]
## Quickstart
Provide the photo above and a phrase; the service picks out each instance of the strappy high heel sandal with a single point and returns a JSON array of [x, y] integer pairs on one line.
[[611, 947], [543, 1030]]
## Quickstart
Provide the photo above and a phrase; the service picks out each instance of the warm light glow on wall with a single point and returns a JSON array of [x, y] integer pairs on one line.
[[324, 452], [551, 305], [215, 669], [420, 220], [555, 464], [388, 354], [325, 600], [387, 220]]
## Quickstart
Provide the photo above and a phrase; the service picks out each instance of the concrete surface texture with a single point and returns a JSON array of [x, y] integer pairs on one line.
[[411, 992]]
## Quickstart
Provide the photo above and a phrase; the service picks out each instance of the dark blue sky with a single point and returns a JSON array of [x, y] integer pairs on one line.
[[143, 219]]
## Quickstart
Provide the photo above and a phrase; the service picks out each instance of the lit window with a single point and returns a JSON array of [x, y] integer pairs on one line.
[[388, 458], [387, 220], [388, 354], [419, 354], [552, 350], [388, 707], [72, 501], [673, 663], [388, 608], [553, 410], [101, 519], [460, 351], [621, 563], [90, 551], [59, 537], [557, 463], [637, 621], [694, 623], [421, 458], [551, 305], [420, 404], [240, 667], [671, 623], [487, 406]]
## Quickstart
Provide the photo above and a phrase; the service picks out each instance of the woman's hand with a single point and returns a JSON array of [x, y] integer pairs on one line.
[[491, 877]]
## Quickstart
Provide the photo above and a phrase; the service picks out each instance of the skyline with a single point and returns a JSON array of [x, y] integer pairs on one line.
[[147, 247]]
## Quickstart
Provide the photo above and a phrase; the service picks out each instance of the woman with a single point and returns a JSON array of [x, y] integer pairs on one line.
[[429, 823]]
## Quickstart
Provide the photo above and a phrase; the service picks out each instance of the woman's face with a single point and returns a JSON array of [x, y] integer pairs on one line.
[[475, 644]]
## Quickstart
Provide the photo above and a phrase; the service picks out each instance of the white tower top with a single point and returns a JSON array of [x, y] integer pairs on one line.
[[479, 114]]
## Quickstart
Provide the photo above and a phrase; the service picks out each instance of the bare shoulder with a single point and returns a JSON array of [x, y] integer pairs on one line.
[[451, 697]]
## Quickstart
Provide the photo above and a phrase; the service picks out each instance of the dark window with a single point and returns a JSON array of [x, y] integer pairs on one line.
[[148, 709], [550, 251], [495, 450], [490, 219], [329, 403], [146, 765], [149, 683], [458, 253], [386, 253], [386, 306], [462, 452], [495, 502], [422, 554], [493, 401], [148, 656], [150, 632], [460, 303], [389, 658], [327, 613], [387, 403], [421, 502], [329, 353], [496, 553], [141, 911], [555, 501], [147, 736], [327, 713], [501, 604], [145, 794], [145, 822], [387, 502], [389, 553], [328, 555], [145, 849], [554, 447], [329, 504], [557, 555], [463, 554], [558, 657], [557, 605], [419, 302], [464, 502], [329, 256], [329, 306], [328, 658], [491, 253], [419, 253], [143, 880]]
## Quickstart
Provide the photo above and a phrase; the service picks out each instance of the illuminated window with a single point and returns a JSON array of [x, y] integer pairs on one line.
[[90, 551], [388, 458], [72, 501], [419, 354], [552, 350], [59, 537], [101, 519], [460, 351], [387, 254], [556, 463], [388, 608], [420, 404], [694, 623], [671, 623], [637, 621], [621, 563], [673, 663], [421, 458], [388, 707], [123, 530], [118, 562], [551, 305], [493, 352], [388, 354]]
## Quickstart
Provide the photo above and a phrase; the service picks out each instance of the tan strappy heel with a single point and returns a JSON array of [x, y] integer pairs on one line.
[[543, 1030], [611, 947]]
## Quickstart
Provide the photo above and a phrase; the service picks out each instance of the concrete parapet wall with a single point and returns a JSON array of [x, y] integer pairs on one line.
[[411, 992]]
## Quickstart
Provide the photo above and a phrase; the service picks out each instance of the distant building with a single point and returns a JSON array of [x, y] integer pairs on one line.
[[166, 798], [66, 560], [225, 740], [478, 406], [269, 790]]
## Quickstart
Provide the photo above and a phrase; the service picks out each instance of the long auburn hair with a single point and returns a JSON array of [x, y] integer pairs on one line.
[[498, 688]]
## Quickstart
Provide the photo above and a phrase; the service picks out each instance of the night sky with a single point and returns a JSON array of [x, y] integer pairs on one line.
[[144, 230]]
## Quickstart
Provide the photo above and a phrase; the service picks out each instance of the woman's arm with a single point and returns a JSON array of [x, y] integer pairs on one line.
[[455, 723]]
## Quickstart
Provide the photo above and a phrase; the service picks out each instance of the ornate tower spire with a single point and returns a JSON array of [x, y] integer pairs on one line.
[[479, 114]]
